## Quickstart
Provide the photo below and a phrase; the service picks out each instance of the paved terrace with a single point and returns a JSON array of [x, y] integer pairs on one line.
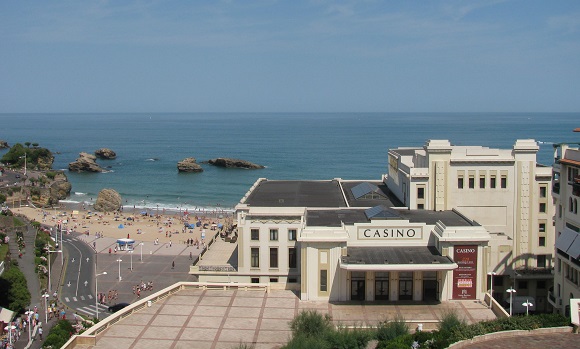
[[216, 318]]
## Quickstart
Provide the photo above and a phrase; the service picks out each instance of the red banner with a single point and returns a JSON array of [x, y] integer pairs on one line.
[[465, 276]]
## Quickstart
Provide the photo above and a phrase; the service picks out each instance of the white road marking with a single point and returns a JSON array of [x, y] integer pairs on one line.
[[66, 299], [82, 298], [75, 299]]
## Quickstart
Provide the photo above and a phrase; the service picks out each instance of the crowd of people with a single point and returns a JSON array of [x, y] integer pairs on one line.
[[142, 287]]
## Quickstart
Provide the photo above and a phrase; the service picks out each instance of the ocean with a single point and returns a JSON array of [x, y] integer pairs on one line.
[[291, 146]]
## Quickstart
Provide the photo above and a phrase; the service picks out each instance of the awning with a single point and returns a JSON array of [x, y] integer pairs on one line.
[[566, 239], [6, 315], [391, 258]]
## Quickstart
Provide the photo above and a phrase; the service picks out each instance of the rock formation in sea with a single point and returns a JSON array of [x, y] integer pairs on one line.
[[85, 163], [105, 153], [234, 163], [108, 200], [4, 144], [189, 165]]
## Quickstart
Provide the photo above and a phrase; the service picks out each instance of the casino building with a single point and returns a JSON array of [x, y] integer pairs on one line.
[[404, 237]]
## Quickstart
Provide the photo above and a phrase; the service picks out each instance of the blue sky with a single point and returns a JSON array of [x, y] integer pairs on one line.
[[290, 56]]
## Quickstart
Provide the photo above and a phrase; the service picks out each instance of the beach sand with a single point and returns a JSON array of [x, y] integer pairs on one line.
[[135, 226]]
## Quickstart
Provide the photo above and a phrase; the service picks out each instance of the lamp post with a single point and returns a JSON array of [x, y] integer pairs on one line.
[[9, 328], [491, 275], [527, 304], [120, 260], [30, 313], [511, 291], [131, 253], [24, 162], [97, 292], [45, 296], [49, 283]]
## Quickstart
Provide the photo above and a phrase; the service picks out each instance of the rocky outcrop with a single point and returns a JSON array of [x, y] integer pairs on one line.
[[189, 165], [4, 144], [105, 153], [85, 163], [108, 200], [234, 163]]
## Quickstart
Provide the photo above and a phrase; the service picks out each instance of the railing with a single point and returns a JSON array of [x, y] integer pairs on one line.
[[89, 337]]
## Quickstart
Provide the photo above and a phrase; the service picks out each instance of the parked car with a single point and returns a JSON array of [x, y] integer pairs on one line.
[[115, 308]]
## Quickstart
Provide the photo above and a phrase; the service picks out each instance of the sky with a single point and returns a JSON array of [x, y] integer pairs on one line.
[[289, 56]]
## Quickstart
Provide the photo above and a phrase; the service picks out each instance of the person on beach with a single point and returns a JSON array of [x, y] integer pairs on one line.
[[173, 265]]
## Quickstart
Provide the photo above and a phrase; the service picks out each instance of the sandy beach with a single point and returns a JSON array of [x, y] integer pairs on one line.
[[165, 227]]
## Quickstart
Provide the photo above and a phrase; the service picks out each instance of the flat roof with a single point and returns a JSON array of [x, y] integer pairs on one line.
[[390, 200], [394, 255], [296, 194], [334, 218]]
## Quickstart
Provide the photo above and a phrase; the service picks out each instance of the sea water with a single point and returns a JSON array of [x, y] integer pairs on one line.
[[292, 146]]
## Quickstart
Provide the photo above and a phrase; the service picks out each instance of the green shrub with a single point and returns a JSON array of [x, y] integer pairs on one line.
[[344, 338], [390, 330], [59, 334], [14, 290], [311, 323], [2, 198], [400, 342], [301, 341], [51, 175]]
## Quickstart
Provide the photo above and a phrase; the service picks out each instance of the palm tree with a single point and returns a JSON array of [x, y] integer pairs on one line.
[[27, 144]]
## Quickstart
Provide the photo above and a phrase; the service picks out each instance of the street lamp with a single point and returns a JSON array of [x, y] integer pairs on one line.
[[30, 313], [511, 291], [527, 304], [9, 328], [491, 275], [24, 162], [120, 260], [45, 296], [131, 253], [97, 292], [49, 252], [141, 259]]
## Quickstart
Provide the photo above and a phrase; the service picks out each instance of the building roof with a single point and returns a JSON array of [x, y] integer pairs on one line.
[[384, 196], [391, 255], [335, 218], [296, 194]]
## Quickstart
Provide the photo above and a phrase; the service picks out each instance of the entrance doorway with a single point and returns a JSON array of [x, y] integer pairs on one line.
[[430, 286], [405, 290], [357, 286]]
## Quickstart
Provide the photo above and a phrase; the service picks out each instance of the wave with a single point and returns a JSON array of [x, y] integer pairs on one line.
[[152, 159], [80, 194]]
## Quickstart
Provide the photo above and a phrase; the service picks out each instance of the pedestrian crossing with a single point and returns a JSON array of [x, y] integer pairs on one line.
[[91, 310], [75, 299]]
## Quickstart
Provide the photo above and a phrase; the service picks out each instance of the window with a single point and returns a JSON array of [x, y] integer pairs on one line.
[[542, 207], [323, 280], [498, 280], [471, 182], [255, 234], [273, 234], [255, 280], [542, 227], [420, 193], [420, 206], [292, 280], [482, 182], [542, 241], [522, 285], [460, 182], [543, 191], [559, 211], [492, 181], [273, 257], [291, 234], [255, 257], [541, 261], [273, 280], [541, 284], [292, 257], [503, 181]]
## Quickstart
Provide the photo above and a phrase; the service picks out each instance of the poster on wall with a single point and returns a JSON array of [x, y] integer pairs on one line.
[[465, 276]]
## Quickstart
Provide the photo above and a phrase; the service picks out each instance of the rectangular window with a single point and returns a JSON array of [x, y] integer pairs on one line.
[[559, 211], [542, 241], [420, 206], [522, 285], [291, 234], [460, 182], [255, 233], [273, 280], [255, 257], [471, 182], [542, 207], [292, 260], [503, 183], [420, 193], [541, 284], [482, 182], [542, 227], [273, 257], [323, 280], [273, 234], [543, 191], [492, 182], [292, 280], [541, 261], [255, 280]]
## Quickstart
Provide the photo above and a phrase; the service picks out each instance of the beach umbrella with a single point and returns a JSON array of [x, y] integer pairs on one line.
[[121, 226]]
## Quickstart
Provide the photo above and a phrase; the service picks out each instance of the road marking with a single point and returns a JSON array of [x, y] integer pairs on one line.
[[90, 296], [86, 311], [66, 299], [75, 299], [82, 298]]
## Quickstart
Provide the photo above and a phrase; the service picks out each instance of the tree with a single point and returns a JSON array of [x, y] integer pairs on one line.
[[15, 290], [27, 144], [35, 145]]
